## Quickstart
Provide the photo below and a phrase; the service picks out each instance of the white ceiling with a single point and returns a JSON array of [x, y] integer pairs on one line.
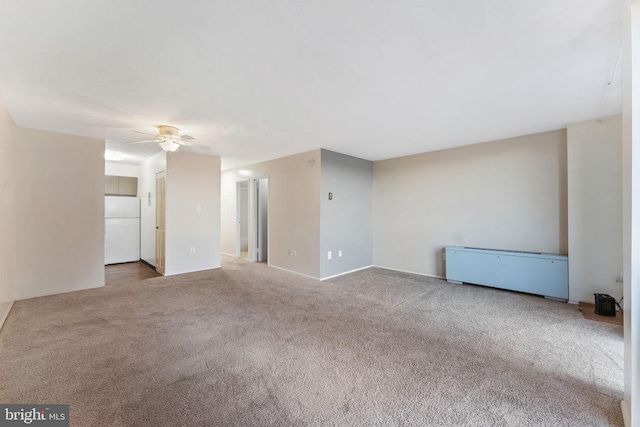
[[254, 80]]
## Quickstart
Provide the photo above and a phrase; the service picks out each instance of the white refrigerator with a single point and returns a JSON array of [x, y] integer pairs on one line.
[[121, 229]]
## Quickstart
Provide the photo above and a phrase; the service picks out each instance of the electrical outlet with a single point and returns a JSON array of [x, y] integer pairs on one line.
[[192, 251], [292, 252], [198, 208], [339, 254], [329, 255]]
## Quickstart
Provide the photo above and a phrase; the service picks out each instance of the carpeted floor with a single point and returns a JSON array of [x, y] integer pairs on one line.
[[249, 345]]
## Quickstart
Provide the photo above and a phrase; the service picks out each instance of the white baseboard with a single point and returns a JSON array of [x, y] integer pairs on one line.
[[294, 272], [5, 308], [317, 278], [177, 273], [410, 272], [60, 291], [626, 416], [228, 254], [346, 272]]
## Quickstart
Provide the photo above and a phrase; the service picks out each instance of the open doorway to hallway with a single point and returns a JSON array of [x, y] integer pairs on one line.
[[242, 220]]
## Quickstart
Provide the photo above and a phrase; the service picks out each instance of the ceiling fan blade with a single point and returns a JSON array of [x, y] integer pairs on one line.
[[186, 138], [143, 142], [144, 133]]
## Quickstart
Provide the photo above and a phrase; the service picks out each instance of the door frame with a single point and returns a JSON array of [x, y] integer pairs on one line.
[[161, 250]]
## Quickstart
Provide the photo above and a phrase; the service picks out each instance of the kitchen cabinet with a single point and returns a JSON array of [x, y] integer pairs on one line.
[[120, 185]]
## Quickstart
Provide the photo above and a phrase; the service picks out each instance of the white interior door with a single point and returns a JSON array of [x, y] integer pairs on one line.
[[262, 219], [242, 218], [160, 222]]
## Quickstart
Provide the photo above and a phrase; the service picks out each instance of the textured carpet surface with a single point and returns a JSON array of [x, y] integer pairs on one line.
[[250, 345]]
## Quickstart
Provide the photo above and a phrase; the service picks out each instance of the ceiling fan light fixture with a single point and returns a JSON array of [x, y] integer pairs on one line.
[[169, 139], [169, 145]]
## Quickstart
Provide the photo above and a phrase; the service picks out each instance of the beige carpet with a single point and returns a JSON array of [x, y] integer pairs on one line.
[[248, 345]]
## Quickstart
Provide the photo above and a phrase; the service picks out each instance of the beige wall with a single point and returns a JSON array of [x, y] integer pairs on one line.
[[594, 177], [294, 211], [147, 193], [192, 212], [228, 211], [59, 212], [7, 212], [508, 194]]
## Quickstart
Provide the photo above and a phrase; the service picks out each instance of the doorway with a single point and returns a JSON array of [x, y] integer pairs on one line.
[[160, 222], [242, 220], [261, 186], [128, 272]]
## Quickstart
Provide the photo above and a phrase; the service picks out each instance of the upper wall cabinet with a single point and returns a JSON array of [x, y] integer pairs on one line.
[[120, 185], [111, 185]]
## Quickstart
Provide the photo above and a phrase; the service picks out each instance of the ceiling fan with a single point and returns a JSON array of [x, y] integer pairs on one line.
[[169, 138]]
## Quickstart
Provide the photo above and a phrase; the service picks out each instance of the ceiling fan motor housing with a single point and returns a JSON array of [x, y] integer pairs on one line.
[[169, 133]]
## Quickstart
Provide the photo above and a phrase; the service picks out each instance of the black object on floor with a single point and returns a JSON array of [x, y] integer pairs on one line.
[[605, 305]]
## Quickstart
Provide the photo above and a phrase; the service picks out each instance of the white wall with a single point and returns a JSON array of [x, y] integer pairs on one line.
[[631, 210], [594, 181], [119, 169], [192, 212], [7, 213], [346, 222], [147, 193], [508, 194], [294, 210]]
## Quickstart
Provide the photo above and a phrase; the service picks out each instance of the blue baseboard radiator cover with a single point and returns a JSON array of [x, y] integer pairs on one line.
[[530, 272]]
